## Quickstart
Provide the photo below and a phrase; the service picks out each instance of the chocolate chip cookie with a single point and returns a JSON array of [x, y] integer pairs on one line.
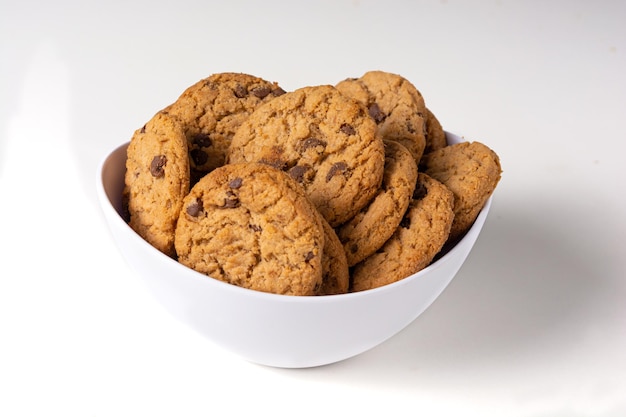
[[335, 271], [157, 180], [420, 236], [251, 225], [435, 135], [324, 140], [211, 111], [471, 170], [395, 104], [374, 224]]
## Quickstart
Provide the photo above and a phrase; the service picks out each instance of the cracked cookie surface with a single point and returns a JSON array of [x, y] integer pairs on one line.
[[374, 224], [421, 234], [156, 180], [212, 109], [395, 104], [252, 226], [471, 170], [435, 135], [335, 270], [324, 140]]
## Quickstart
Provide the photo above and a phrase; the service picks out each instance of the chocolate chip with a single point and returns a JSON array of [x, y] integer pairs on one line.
[[235, 183], [278, 92], [309, 143], [420, 191], [354, 248], [347, 129], [256, 228], [275, 163], [376, 113], [195, 208], [143, 129], [337, 168], [240, 91], [157, 166], [261, 92], [202, 140], [298, 171], [309, 256], [198, 156], [405, 222], [231, 200]]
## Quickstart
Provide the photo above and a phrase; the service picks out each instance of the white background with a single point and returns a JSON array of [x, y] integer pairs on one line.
[[534, 324]]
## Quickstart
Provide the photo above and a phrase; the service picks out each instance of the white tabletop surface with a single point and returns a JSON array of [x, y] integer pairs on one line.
[[534, 324]]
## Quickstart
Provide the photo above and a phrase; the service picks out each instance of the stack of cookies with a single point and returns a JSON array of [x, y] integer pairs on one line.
[[317, 191]]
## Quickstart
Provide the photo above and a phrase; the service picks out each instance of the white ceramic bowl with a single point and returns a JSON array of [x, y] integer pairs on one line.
[[277, 330]]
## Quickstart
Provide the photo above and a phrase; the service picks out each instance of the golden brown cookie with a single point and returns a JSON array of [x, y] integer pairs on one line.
[[335, 272], [420, 236], [211, 111], [251, 225], [324, 140], [395, 104], [435, 135], [471, 170], [374, 224], [156, 180]]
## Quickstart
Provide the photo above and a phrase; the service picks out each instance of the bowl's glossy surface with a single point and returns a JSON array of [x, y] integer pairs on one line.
[[277, 330]]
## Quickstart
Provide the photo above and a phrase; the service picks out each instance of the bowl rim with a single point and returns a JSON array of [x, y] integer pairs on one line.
[[113, 215]]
